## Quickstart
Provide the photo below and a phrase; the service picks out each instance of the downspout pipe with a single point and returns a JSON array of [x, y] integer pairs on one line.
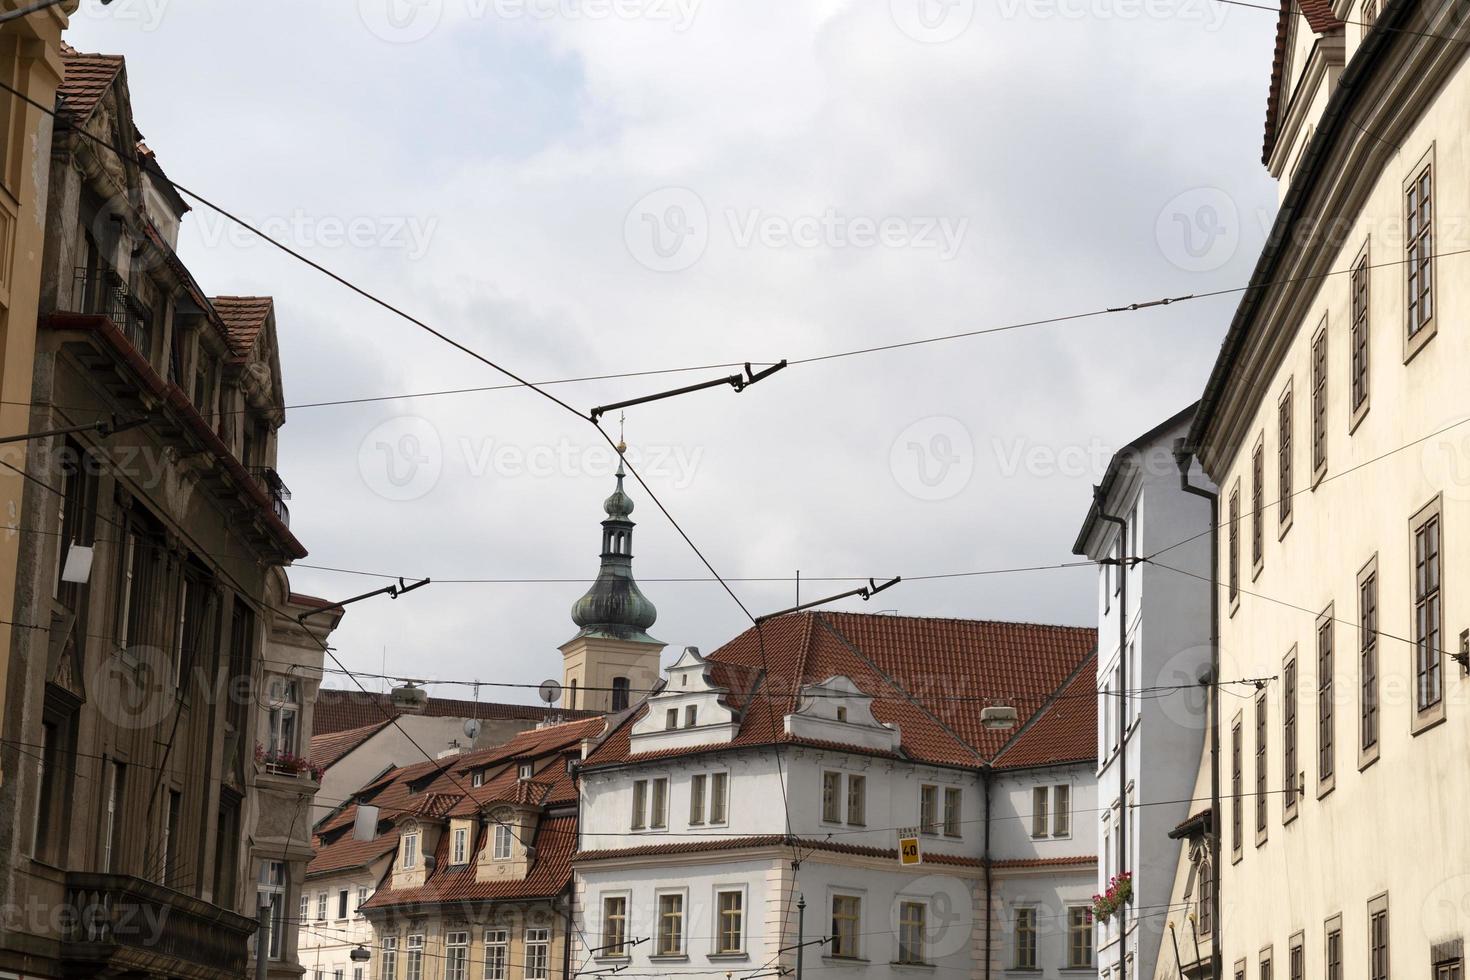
[[1182, 459], [1124, 814], [985, 777]]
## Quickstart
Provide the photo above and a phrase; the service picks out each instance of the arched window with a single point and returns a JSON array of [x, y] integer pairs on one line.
[[572, 694], [619, 693]]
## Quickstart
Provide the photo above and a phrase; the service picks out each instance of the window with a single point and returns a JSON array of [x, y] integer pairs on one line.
[[1368, 662], [640, 803], [273, 885], [911, 929], [305, 908], [1039, 818], [497, 948], [456, 956], [1258, 505], [1358, 366], [1332, 952], [501, 847], [339, 974], [1370, 14], [362, 895], [1326, 761], [388, 965], [847, 916], [691, 715], [284, 712], [321, 906], [1261, 769], [1427, 610], [658, 817], [696, 799], [719, 783], [1265, 965], [620, 694], [526, 770], [414, 958], [1289, 770], [1234, 545], [1206, 898], [460, 851], [477, 778], [357, 973], [831, 794], [1061, 823], [1237, 786], [614, 925], [1448, 958], [1419, 244], [952, 798], [572, 694], [538, 954], [857, 800], [671, 924], [410, 861], [1079, 937], [1025, 938], [671, 719], [342, 904], [928, 809], [731, 938], [1283, 460], [1319, 403], [112, 829], [1378, 938], [1295, 964]]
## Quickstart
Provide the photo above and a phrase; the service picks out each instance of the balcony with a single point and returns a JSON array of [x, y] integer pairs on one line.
[[102, 292], [118, 924], [276, 489]]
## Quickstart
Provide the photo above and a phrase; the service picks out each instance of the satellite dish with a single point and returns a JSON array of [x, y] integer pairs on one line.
[[472, 728], [551, 691]]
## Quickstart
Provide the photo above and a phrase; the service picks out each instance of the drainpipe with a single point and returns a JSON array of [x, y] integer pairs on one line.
[[566, 939], [1182, 458], [989, 879], [1123, 808]]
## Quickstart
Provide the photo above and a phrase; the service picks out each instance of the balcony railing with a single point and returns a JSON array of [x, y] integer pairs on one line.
[[102, 292], [118, 923], [276, 488]]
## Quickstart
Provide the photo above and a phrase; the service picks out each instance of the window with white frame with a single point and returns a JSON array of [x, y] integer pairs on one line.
[[1061, 810], [831, 797], [362, 895], [952, 802], [538, 954], [849, 805], [928, 809], [501, 850], [342, 904], [670, 924], [413, 956], [321, 906], [284, 712], [408, 857], [730, 928], [696, 798], [658, 805], [1079, 937], [497, 951], [456, 956], [719, 789], [640, 804], [1428, 610], [305, 907], [1040, 811], [388, 963], [1025, 938], [460, 850], [857, 800], [911, 931], [273, 884], [847, 928]]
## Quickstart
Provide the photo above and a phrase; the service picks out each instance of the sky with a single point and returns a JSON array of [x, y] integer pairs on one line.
[[575, 188]]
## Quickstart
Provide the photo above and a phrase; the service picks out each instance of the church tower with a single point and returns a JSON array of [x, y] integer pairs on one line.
[[612, 660]]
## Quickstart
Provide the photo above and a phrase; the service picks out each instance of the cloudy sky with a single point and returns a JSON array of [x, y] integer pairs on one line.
[[589, 187]]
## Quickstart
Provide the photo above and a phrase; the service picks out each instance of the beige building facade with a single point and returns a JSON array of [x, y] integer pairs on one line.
[[1344, 508]]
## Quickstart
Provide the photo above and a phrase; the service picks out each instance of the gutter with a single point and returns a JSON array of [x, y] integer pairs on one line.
[[1369, 54]]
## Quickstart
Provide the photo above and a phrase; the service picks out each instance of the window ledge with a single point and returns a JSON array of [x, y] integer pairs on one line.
[[844, 961], [669, 958], [740, 957], [912, 967], [614, 958]]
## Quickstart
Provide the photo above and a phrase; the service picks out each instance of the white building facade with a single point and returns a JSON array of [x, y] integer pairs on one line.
[[1152, 712]]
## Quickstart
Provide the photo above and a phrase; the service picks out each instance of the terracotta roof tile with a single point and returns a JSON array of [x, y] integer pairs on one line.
[[930, 677], [1321, 20], [1057, 732], [328, 749], [85, 79], [337, 710], [244, 317], [348, 853]]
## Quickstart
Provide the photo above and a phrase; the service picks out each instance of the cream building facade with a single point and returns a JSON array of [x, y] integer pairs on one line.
[[1345, 506]]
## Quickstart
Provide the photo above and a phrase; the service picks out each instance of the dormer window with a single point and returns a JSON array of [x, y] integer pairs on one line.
[[409, 852], [477, 779], [526, 770], [460, 851], [501, 846], [842, 715], [691, 715], [671, 719]]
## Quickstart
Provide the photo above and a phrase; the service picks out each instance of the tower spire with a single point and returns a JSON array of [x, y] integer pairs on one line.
[[614, 606]]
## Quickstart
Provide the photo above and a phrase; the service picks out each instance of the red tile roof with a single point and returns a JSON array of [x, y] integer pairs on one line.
[[337, 710], [930, 677], [244, 317], [348, 853], [1321, 20], [85, 80], [328, 749], [1056, 733]]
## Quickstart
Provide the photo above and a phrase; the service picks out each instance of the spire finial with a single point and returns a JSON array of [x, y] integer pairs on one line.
[[622, 442]]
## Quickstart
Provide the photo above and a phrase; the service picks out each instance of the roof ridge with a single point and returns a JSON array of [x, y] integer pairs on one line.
[[1045, 706], [957, 619]]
